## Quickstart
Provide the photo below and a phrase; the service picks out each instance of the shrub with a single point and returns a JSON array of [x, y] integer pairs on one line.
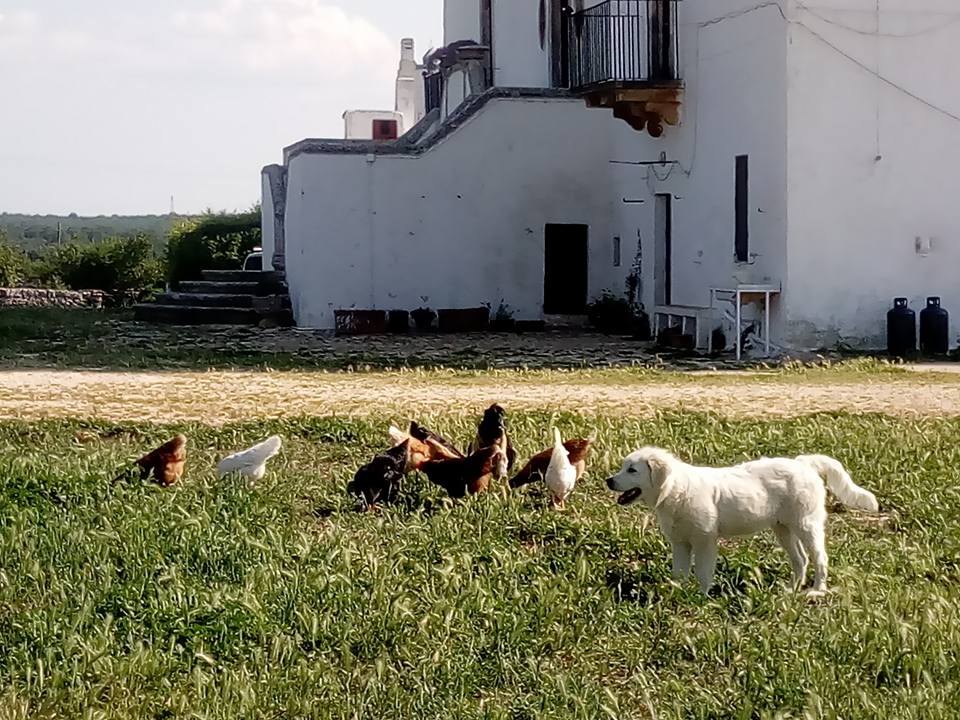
[[502, 318], [212, 242], [12, 263], [125, 268], [611, 314]]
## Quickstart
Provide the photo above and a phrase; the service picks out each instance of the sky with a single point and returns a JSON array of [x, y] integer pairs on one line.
[[113, 106]]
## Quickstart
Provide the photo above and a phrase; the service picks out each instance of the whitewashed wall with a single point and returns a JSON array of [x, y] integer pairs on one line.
[[846, 171], [461, 20], [871, 169], [518, 59], [459, 226]]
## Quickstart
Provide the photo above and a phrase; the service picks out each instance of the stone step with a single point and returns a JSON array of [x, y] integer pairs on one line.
[[210, 287], [198, 315], [260, 303], [267, 276], [195, 315], [205, 299], [223, 297]]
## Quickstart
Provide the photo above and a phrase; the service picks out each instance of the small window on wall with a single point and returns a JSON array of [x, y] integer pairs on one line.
[[616, 251], [384, 129], [741, 243]]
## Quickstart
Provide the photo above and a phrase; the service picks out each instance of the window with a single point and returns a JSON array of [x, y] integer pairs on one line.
[[741, 243], [663, 249], [384, 129], [616, 251]]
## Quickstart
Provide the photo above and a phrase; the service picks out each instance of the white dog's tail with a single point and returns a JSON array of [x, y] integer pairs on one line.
[[840, 484]]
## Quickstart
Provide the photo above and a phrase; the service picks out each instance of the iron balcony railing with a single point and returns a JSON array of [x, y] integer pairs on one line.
[[624, 42]]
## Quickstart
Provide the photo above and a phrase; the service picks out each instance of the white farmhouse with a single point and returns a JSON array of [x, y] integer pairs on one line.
[[801, 152]]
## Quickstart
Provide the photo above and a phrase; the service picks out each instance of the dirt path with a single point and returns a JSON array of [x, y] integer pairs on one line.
[[216, 397]]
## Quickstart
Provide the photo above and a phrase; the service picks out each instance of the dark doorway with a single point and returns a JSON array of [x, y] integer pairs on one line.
[[565, 269], [663, 250]]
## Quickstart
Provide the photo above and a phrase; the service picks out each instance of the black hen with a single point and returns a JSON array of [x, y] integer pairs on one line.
[[380, 479], [493, 431]]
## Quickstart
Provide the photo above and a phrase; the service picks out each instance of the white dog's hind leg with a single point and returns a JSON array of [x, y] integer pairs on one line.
[[681, 560], [812, 536], [705, 562], [795, 552]]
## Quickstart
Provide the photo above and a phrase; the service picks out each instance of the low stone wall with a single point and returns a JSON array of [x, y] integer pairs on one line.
[[38, 297]]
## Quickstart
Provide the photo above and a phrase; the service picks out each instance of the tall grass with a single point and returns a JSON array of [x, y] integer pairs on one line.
[[121, 599]]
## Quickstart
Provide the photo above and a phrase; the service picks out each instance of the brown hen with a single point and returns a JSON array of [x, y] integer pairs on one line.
[[166, 462]]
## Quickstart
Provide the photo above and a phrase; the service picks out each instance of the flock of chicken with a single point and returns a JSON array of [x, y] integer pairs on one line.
[[489, 457]]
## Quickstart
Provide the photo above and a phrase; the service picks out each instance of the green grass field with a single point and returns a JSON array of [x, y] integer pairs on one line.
[[215, 600]]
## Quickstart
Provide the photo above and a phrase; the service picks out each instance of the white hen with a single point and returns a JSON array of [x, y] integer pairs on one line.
[[561, 476], [252, 462]]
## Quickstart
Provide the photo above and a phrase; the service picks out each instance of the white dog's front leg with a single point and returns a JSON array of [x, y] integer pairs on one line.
[[681, 560], [705, 561]]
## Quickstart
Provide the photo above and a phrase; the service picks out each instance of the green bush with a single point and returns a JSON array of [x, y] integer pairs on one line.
[[212, 242], [125, 268], [611, 314], [12, 263]]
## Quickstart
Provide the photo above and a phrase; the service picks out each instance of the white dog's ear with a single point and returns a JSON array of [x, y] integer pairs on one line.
[[660, 477]]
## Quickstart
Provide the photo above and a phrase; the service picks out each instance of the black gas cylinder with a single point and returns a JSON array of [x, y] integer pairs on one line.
[[901, 329], [934, 328]]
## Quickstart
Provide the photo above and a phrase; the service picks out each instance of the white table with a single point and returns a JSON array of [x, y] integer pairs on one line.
[[749, 292], [699, 315]]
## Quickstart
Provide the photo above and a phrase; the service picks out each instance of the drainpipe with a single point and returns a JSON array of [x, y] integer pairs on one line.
[[371, 227]]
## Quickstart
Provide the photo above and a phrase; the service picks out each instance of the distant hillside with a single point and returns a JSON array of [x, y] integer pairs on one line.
[[35, 232]]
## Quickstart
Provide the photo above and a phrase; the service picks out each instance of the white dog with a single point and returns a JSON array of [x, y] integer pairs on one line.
[[695, 506]]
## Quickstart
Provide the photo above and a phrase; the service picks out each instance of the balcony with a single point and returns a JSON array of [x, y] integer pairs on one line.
[[624, 55]]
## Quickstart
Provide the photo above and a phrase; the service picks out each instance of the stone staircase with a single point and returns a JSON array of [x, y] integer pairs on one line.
[[223, 297]]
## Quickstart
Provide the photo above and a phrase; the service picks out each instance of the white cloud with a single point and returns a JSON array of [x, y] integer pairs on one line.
[[18, 28], [28, 36], [304, 38], [278, 42], [23, 20]]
